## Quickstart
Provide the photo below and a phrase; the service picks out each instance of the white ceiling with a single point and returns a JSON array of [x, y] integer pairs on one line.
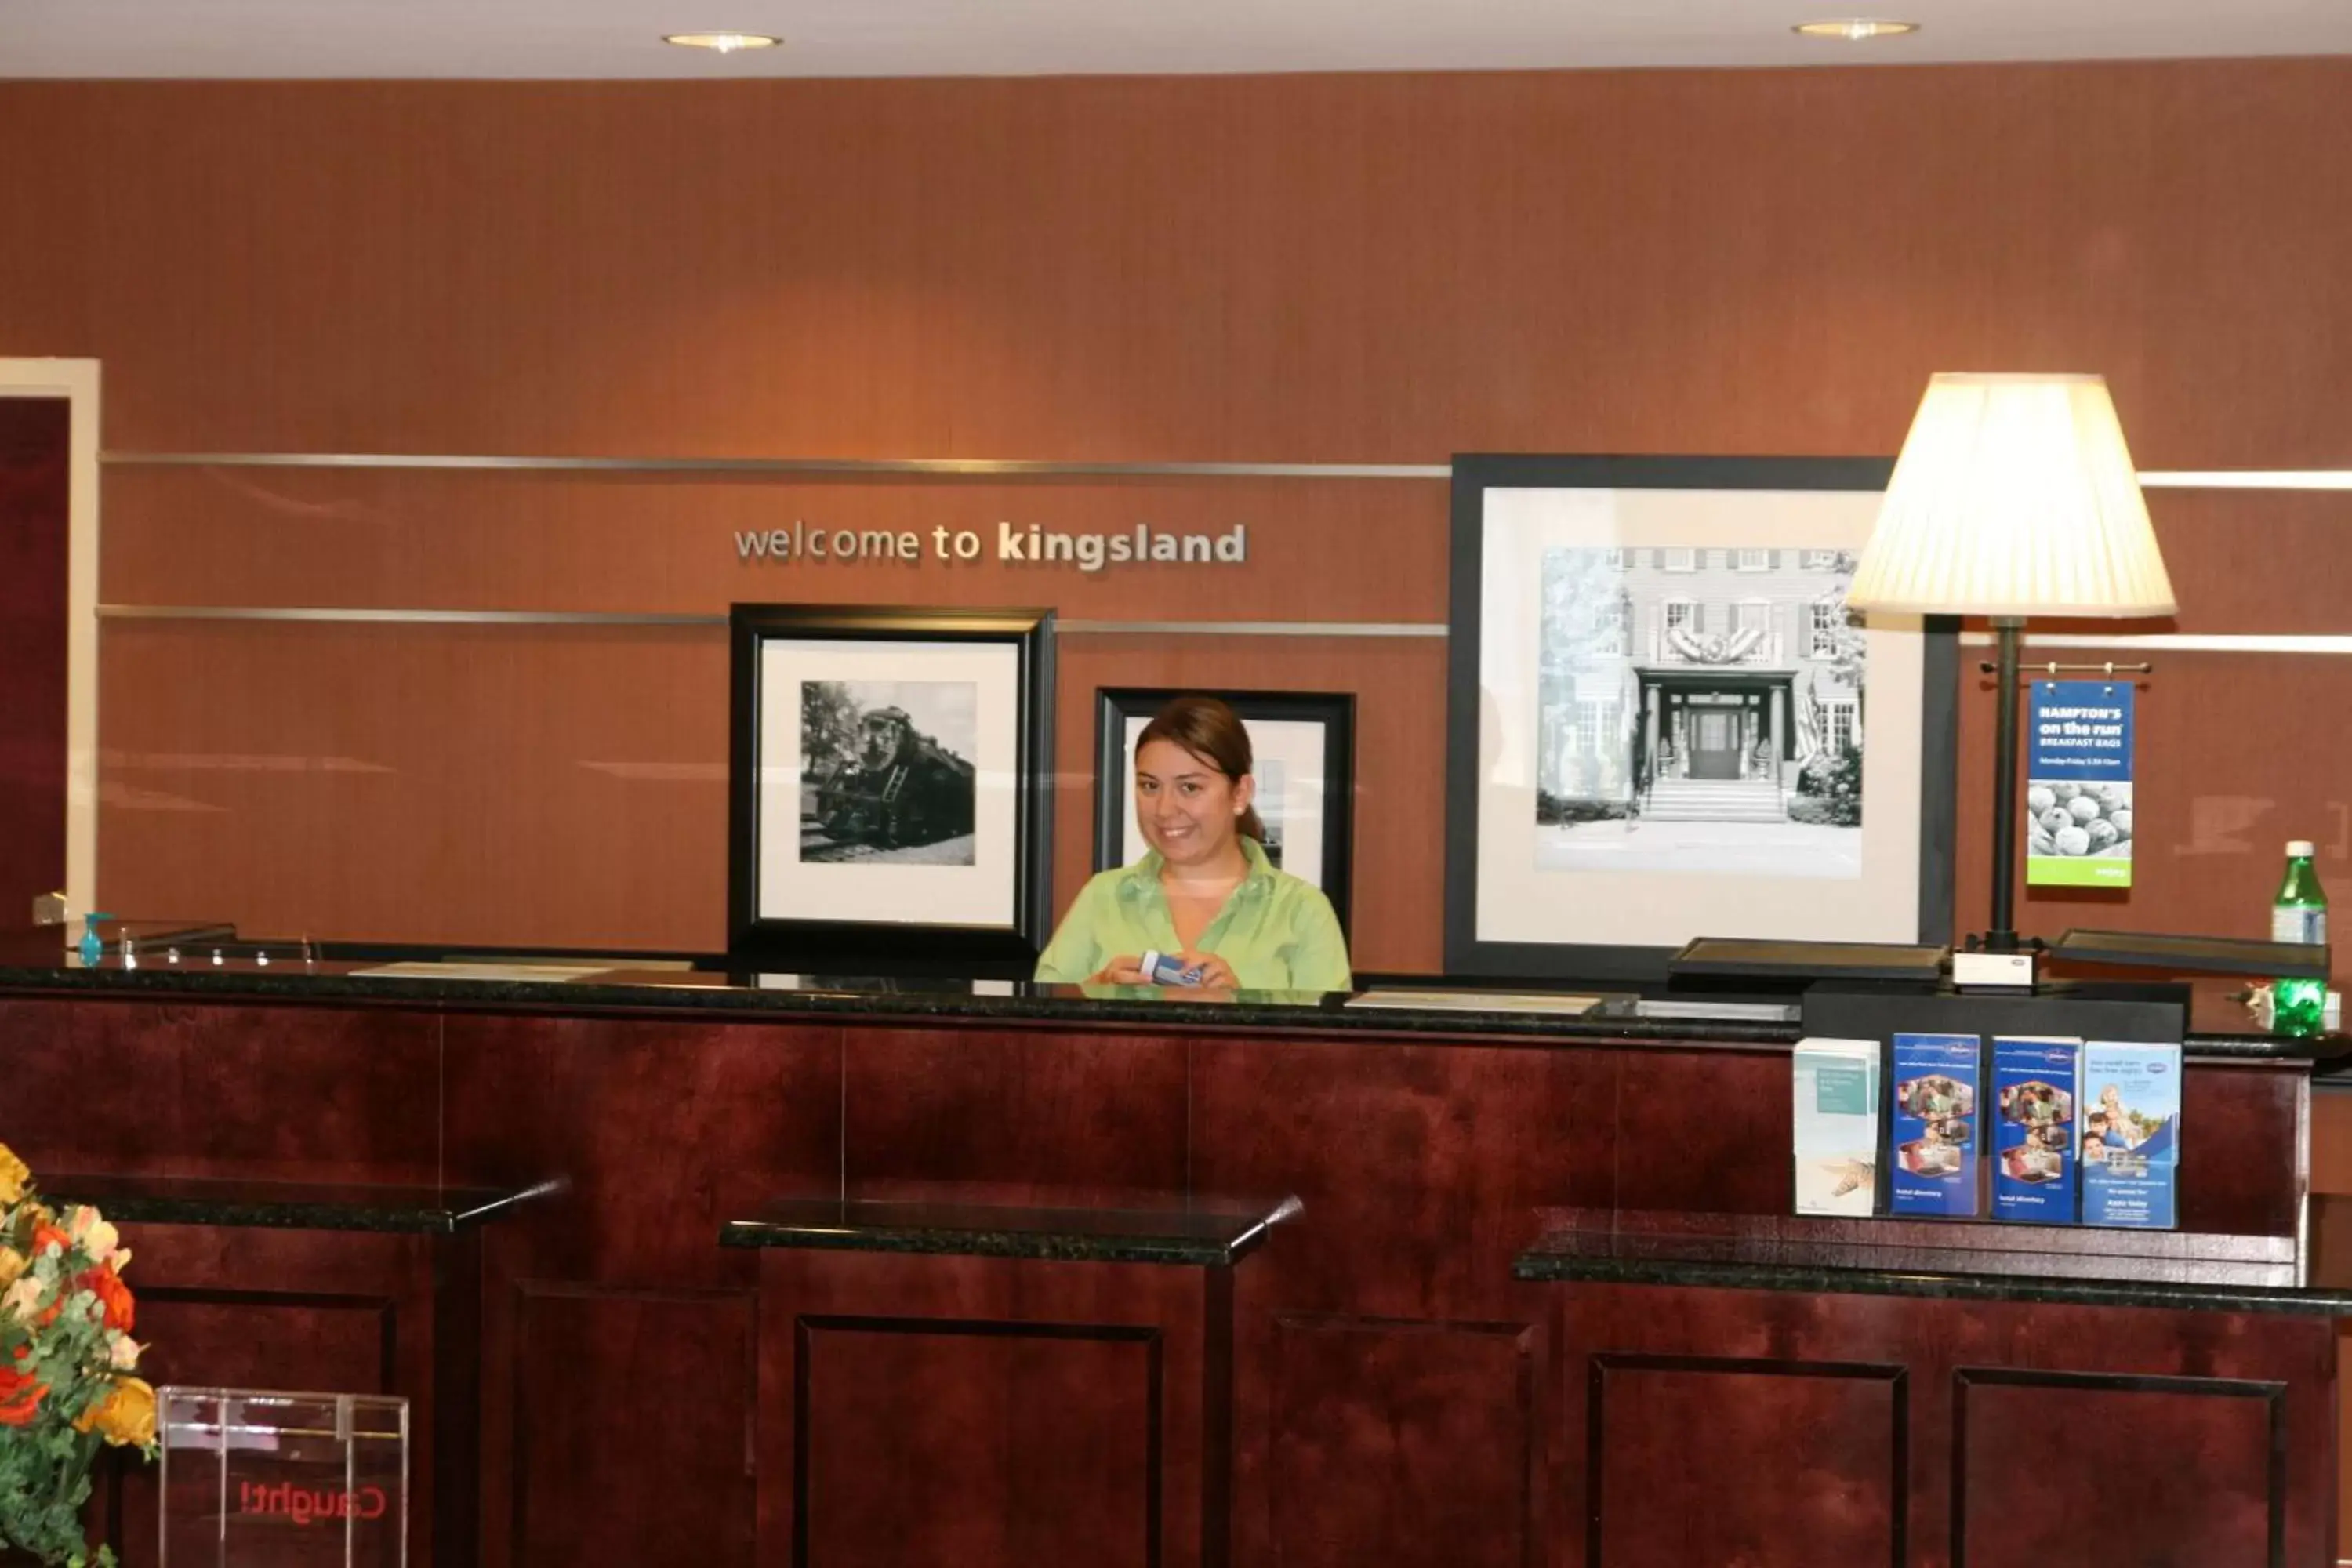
[[621, 38]]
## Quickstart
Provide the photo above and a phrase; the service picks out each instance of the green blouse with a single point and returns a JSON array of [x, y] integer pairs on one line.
[[1276, 931]]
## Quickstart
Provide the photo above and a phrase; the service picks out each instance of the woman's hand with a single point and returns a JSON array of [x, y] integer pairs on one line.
[[1127, 969], [1216, 974]]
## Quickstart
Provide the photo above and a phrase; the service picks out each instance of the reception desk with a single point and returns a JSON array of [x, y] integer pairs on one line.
[[1416, 1350]]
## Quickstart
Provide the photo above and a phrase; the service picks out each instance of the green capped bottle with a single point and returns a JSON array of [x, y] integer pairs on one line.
[[2299, 914]]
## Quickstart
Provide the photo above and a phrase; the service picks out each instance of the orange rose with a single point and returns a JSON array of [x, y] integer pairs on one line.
[[113, 1294], [20, 1397], [44, 1232]]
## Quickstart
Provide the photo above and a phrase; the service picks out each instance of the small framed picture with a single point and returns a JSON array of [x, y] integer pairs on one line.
[[1662, 722], [1303, 747], [890, 787]]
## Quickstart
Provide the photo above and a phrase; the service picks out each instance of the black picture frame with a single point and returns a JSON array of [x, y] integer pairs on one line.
[[914, 945], [1334, 711], [1476, 477]]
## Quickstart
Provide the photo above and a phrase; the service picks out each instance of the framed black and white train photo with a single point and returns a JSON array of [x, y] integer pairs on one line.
[[1303, 744], [1664, 723], [890, 770]]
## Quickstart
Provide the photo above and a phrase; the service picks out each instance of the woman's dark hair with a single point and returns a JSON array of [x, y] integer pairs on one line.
[[1213, 732]]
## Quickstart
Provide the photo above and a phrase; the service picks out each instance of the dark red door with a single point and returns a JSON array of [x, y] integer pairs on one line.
[[33, 476]]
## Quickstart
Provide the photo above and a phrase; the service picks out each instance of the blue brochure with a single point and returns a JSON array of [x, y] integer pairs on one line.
[[2037, 1089], [1935, 1079], [2131, 1134]]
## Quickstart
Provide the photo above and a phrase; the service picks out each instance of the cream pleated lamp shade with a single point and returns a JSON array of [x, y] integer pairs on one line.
[[2014, 495]]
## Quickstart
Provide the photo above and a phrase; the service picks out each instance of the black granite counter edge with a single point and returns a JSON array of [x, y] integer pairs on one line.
[[591, 996], [422, 1213], [1035, 1245], [1814, 1279], [2329, 1054]]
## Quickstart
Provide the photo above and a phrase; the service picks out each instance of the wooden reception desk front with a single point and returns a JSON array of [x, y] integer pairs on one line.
[[1537, 1301]]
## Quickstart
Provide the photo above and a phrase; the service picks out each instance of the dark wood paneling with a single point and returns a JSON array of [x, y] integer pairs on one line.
[[1704, 1154], [257, 1092], [1415, 1445], [1948, 1354], [1422, 1167], [1037, 1117], [917, 1410], [1423, 1170], [302, 1310], [1381, 1352], [2206, 1484], [1819, 1448], [2225, 1184], [631, 1422], [33, 492], [997, 1445], [660, 1132]]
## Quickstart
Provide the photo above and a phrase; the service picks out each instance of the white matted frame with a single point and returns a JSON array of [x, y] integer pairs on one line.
[[1304, 745], [77, 381], [1528, 893], [823, 874]]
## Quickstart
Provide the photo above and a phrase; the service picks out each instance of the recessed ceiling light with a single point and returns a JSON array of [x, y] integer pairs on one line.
[[1854, 29], [725, 43]]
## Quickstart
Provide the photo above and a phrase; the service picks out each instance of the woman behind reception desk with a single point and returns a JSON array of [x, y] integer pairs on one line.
[[1205, 892]]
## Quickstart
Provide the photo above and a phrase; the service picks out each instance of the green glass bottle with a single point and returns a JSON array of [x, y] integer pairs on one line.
[[2299, 914]]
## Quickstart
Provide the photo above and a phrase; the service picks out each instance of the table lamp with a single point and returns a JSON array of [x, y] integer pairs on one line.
[[2014, 496]]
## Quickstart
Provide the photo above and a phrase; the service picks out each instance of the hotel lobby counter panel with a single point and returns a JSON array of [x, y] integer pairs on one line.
[[1394, 1382]]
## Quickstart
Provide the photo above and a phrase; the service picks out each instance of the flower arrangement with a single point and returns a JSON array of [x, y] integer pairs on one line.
[[66, 1360]]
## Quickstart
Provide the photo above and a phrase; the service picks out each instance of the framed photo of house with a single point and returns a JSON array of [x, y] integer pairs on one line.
[[889, 788], [1662, 722], [1303, 744]]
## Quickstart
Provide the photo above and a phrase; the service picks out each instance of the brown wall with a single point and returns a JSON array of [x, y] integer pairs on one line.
[[1333, 269]]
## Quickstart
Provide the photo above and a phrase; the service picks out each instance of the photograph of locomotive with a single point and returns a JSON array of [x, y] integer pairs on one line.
[[886, 774]]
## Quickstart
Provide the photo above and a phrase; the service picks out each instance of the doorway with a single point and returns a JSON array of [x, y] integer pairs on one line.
[[1715, 744], [48, 633]]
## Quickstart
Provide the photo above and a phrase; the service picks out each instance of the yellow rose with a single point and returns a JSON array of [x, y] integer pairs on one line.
[[14, 1174], [12, 1263], [126, 1416]]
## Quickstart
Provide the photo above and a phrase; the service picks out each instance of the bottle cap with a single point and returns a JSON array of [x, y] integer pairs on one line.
[[2300, 849]]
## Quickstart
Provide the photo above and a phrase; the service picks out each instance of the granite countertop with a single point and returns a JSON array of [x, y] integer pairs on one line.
[[1202, 1233], [1949, 1261], [288, 1206], [33, 963]]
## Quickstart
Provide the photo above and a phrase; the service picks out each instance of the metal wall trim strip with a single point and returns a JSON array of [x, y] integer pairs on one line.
[[2177, 642], [961, 467], [1254, 629], [2250, 480], [995, 467], [403, 617], [329, 614], [2182, 642]]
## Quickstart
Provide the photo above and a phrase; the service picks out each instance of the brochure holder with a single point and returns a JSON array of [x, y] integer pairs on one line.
[[289, 1480]]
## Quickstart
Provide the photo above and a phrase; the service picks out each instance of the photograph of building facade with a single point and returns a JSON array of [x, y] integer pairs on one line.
[[1709, 686]]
